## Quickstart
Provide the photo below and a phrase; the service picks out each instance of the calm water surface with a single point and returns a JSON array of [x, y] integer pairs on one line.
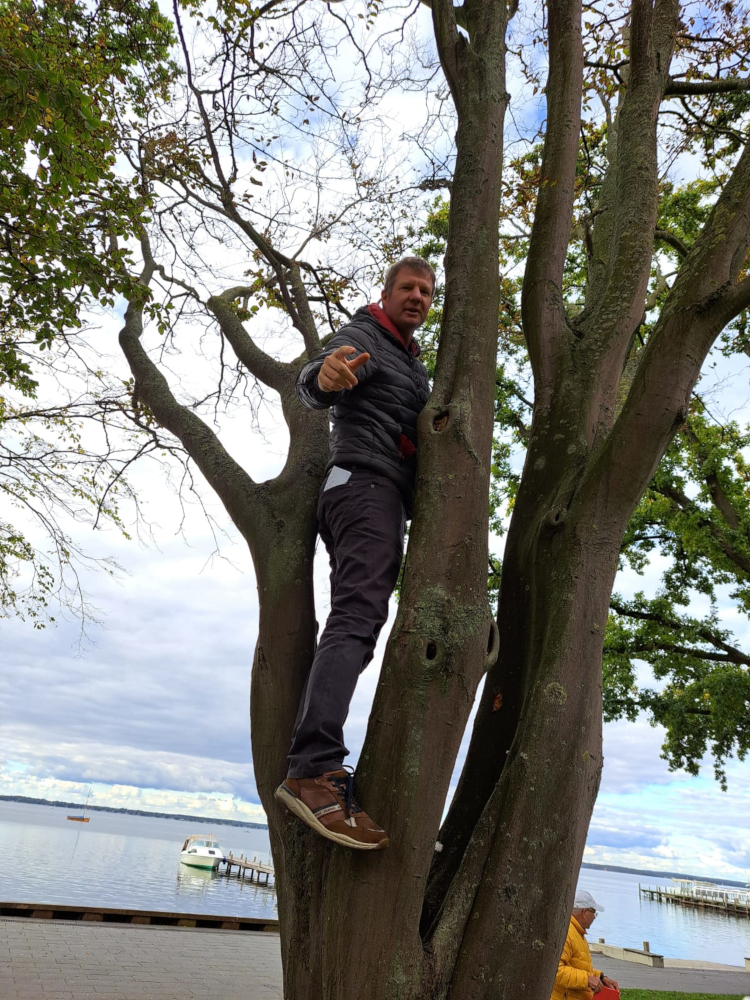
[[134, 862], [672, 931], [123, 861]]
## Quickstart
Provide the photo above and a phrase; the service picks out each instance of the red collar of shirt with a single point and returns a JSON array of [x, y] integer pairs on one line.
[[382, 317]]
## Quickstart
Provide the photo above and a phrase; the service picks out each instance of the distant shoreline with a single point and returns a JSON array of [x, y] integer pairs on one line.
[[645, 871], [264, 826], [134, 812]]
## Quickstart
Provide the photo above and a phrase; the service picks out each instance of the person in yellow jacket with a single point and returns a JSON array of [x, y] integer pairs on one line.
[[576, 978]]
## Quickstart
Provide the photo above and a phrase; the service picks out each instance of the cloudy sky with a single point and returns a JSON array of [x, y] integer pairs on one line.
[[151, 707]]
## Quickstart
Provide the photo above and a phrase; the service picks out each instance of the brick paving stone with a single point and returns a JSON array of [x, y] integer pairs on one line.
[[57, 960], [54, 960]]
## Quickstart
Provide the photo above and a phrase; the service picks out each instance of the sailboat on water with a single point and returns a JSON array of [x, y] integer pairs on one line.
[[83, 818]]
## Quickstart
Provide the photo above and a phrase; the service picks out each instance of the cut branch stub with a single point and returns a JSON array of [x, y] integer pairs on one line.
[[493, 645]]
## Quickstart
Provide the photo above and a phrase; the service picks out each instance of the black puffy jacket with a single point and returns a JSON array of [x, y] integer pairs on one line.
[[373, 425]]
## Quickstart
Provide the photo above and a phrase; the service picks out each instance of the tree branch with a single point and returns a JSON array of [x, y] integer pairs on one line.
[[687, 88], [720, 499], [271, 372], [681, 500], [623, 231], [447, 38], [233, 485], [704, 298], [732, 654], [309, 330], [542, 307], [737, 298], [674, 241]]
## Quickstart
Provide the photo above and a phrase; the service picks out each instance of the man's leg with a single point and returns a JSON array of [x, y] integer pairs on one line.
[[362, 523]]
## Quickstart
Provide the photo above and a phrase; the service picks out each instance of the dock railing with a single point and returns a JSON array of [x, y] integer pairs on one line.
[[259, 871], [704, 895]]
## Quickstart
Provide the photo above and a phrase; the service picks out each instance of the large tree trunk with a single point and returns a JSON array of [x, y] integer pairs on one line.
[[370, 906], [483, 919], [283, 558]]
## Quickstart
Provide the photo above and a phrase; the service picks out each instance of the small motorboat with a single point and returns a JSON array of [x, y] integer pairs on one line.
[[201, 851]]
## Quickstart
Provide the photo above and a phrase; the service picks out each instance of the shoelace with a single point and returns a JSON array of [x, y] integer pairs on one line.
[[345, 786]]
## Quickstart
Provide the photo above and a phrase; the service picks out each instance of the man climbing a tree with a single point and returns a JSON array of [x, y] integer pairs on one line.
[[365, 499]]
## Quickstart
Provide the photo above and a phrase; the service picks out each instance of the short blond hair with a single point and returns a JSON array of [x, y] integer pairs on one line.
[[417, 264]]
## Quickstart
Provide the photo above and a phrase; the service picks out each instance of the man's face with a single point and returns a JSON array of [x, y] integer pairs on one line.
[[406, 305], [585, 917]]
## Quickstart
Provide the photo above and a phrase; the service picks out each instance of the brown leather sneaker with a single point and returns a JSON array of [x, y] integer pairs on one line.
[[327, 805]]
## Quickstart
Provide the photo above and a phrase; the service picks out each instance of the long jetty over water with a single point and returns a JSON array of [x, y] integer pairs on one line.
[[704, 895], [258, 872]]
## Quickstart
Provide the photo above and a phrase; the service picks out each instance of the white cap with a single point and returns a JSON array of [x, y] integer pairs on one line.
[[585, 901]]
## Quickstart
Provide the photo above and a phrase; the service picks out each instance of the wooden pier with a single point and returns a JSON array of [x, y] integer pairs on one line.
[[736, 903], [259, 872]]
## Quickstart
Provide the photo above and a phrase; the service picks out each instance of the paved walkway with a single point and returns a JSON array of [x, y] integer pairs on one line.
[[681, 978], [59, 960]]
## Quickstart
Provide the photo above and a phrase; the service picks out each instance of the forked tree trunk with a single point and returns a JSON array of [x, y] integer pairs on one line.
[[366, 909], [485, 918]]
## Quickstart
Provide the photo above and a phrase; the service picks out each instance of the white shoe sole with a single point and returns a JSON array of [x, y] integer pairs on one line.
[[300, 810]]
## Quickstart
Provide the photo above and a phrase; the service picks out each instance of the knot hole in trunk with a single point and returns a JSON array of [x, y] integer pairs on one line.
[[556, 518], [442, 420], [430, 650]]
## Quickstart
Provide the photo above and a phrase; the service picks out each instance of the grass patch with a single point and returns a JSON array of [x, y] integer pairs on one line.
[[671, 995]]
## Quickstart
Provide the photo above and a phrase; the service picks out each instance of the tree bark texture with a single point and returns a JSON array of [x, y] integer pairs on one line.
[[522, 808], [370, 906], [485, 918]]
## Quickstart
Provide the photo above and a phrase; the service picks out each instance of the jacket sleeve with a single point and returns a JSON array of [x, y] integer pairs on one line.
[[569, 978], [309, 392]]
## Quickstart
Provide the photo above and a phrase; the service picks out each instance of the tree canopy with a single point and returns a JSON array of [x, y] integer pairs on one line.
[[297, 153], [71, 76]]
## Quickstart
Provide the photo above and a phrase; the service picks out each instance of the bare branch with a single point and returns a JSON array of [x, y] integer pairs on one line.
[[673, 240], [688, 88], [231, 482], [543, 310], [271, 372], [309, 329]]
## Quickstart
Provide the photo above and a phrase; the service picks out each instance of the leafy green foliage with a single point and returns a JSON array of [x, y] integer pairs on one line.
[[74, 76], [69, 73], [696, 513]]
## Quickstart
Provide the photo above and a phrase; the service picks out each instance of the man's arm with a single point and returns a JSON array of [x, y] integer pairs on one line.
[[346, 361], [567, 977]]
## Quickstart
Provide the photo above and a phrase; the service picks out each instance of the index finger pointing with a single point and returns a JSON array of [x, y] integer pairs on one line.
[[341, 352], [357, 362]]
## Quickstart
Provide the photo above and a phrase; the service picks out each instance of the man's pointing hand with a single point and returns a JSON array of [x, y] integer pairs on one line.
[[337, 372]]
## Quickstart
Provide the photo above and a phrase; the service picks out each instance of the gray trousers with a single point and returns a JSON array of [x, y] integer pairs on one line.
[[362, 523]]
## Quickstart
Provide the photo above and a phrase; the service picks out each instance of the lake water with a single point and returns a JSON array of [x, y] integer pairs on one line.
[[134, 862], [672, 931], [124, 861]]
